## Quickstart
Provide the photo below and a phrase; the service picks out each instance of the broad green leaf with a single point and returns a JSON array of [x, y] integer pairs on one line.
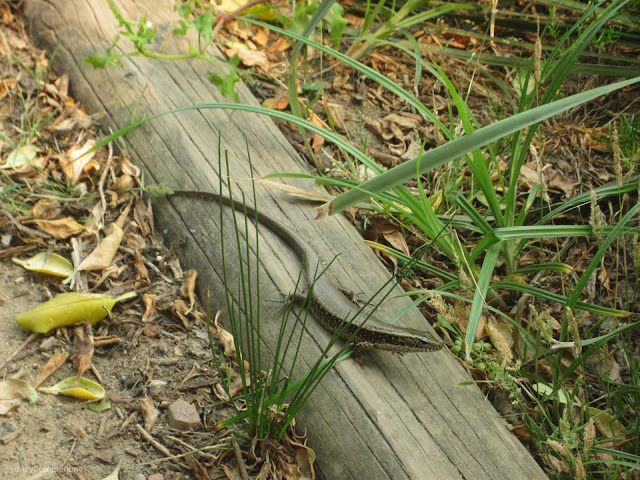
[[69, 309]]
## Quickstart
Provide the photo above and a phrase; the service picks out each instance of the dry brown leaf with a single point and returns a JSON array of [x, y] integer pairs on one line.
[[105, 456], [53, 364], [95, 219], [46, 209], [226, 339], [134, 241], [187, 289], [198, 471], [317, 140], [251, 58], [138, 263], [149, 300], [236, 385], [397, 240], [307, 194], [303, 461], [150, 331], [123, 182], [276, 103], [82, 352], [557, 180], [78, 161], [149, 413], [143, 216], [61, 228], [12, 391], [103, 254], [106, 340]]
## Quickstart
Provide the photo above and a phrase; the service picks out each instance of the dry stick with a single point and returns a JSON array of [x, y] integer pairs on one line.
[[180, 455], [157, 445], [192, 448], [22, 228], [29, 339], [240, 461]]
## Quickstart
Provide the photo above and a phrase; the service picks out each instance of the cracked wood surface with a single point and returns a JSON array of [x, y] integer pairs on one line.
[[402, 417]]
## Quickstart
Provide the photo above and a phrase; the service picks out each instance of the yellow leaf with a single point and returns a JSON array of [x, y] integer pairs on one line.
[[69, 309], [84, 389], [44, 262]]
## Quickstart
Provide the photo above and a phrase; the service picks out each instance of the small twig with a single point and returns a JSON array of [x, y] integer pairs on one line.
[[239, 460], [101, 183], [22, 228], [191, 448], [73, 447], [157, 445], [29, 339]]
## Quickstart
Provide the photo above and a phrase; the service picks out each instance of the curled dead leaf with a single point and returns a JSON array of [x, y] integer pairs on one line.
[[78, 161], [102, 256], [149, 413], [60, 228], [187, 289]]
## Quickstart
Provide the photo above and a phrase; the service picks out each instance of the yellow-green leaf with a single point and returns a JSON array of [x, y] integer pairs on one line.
[[69, 309], [101, 406], [21, 156], [606, 424], [85, 389], [547, 390], [44, 262]]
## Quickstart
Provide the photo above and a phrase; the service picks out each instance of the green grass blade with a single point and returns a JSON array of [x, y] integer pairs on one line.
[[463, 145], [479, 302], [561, 299]]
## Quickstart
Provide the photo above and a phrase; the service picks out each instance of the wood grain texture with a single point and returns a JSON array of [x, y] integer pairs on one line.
[[403, 417]]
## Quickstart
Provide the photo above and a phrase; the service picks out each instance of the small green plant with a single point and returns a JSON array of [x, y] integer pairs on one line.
[[199, 17], [270, 391], [142, 33]]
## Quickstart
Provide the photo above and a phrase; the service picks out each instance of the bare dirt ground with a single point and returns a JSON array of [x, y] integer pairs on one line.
[[59, 436], [152, 351]]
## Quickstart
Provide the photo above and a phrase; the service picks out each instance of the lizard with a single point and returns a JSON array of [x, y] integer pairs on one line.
[[327, 303]]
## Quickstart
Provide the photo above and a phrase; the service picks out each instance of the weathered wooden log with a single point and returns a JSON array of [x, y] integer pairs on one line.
[[404, 416]]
